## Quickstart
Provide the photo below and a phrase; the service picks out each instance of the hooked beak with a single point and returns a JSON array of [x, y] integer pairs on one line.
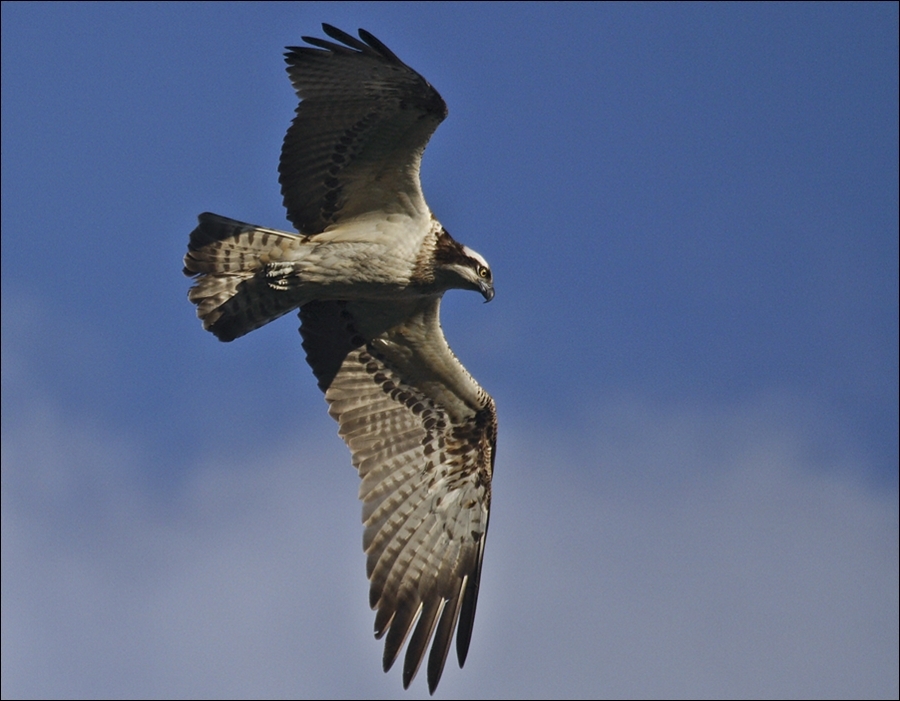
[[487, 290]]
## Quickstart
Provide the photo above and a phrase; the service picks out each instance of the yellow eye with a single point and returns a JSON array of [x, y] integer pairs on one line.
[[484, 272]]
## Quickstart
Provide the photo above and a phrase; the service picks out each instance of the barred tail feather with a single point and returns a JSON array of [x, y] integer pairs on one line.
[[229, 259]]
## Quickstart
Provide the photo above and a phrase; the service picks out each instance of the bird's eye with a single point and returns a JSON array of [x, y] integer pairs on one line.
[[484, 272]]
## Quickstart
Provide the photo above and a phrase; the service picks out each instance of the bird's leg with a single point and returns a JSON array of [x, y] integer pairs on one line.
[[282, 276]]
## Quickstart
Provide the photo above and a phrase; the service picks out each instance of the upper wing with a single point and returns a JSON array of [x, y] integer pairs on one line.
[[423, 435], [361, 127]]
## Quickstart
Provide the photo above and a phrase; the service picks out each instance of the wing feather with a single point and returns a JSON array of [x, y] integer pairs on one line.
[[404, 616], [362, 125], [421, 636], [423, 435], [442, 637]]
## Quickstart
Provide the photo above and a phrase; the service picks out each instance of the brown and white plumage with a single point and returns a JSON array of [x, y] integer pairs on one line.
[[368, 271], [361, 127]]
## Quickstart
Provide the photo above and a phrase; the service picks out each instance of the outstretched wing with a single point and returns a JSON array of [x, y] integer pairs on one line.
[[423, 435], [357, 141]]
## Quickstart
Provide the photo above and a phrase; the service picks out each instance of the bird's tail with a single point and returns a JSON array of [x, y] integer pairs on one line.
[[230, 260]]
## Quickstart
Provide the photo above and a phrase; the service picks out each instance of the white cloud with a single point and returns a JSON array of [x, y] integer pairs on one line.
[[702, 556], [659, 552]]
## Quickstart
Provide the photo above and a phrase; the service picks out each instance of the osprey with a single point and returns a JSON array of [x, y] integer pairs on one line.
[[367, 271]]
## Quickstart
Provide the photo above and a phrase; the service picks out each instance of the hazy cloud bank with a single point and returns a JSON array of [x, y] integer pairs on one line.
[[676, 551]]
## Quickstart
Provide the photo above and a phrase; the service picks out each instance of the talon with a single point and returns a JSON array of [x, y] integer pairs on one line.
[[278, 275], [279, 270]]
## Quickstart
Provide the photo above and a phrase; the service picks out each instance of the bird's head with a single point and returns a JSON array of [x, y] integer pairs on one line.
[[468, 271], [458, 266], [476, 271]]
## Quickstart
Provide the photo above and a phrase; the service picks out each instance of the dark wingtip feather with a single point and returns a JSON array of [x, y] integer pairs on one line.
[[343, 37], [378, 45], [405, 616], [467, 607], [418, 643], [370, 44], [443, 637]]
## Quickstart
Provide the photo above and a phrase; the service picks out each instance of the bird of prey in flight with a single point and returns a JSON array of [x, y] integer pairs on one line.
[[367, 271]]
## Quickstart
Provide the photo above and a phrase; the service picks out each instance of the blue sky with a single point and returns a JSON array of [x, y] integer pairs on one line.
[[691, 212]]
